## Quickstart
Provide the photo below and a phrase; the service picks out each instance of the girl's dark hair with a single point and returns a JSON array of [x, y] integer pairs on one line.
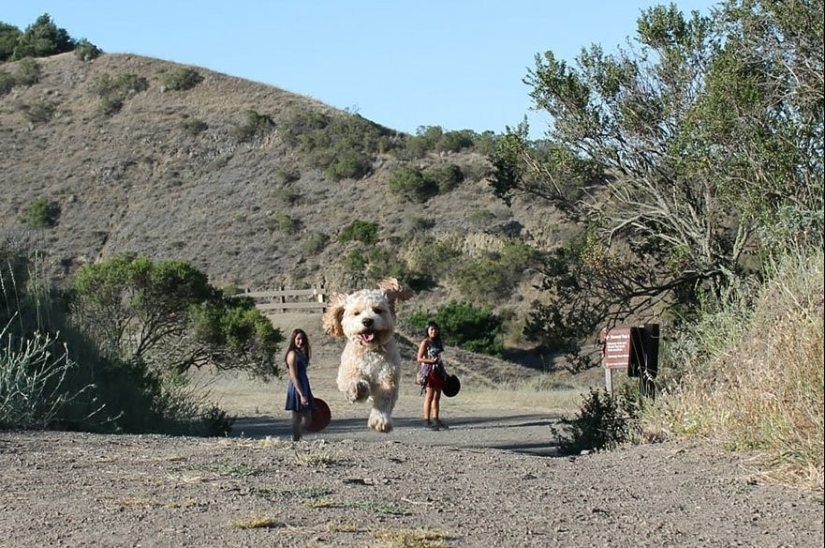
[[437, 338], [292, 346]]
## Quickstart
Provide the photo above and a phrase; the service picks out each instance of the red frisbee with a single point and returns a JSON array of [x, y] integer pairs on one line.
[[321, 416]]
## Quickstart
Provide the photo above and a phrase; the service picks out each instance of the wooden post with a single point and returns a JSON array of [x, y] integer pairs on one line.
[[608, 380]]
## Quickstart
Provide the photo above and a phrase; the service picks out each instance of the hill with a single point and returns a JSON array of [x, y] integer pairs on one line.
[[246, 182], [239, 178]]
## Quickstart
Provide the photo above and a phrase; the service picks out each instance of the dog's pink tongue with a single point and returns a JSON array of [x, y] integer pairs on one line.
[[367, 337]]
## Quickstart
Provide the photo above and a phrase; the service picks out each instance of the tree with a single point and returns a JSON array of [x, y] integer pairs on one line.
[[168, 315], [9, 34], [43, 39], [681, 158]]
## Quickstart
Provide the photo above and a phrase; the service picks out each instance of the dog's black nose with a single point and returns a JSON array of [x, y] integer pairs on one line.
[[367, 322]]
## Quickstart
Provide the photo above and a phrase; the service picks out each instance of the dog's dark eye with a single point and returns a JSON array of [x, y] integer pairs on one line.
[[378, 310]]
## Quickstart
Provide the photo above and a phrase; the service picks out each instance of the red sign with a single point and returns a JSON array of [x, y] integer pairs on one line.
[[616, 349]]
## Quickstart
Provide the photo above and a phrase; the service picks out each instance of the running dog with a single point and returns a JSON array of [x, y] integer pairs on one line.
[[370, 362]]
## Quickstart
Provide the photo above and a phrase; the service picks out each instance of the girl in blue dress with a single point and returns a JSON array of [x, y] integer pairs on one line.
[[298, 393]]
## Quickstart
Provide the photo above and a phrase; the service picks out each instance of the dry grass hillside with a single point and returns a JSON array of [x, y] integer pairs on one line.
[[168, 177]]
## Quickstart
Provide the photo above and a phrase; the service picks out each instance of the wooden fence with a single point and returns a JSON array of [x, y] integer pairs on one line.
[[284, 300]]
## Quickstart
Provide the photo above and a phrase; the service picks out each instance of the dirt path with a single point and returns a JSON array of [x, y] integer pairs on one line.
[[482, 483]]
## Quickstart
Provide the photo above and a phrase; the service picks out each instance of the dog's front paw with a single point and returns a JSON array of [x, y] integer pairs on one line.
[[357, 391], [379, 422]]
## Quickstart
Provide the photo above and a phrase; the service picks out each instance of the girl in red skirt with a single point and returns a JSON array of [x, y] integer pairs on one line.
[[429, 354]]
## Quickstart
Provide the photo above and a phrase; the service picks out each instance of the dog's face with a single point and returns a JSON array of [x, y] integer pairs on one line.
[[367, 316]]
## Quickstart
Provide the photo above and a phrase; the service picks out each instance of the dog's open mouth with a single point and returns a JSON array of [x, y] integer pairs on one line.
[[367, 337]]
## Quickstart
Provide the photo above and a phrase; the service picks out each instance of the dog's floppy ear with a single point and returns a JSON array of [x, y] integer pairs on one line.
[[394, 291], [334, 314]]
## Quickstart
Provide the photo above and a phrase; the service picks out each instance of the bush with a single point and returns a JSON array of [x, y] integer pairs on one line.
[[41, 213], [255, 125], [467, 326], [181, 79], [446, 177], [281, 222], [86, 51], [455, 141], [7, 82], [349, 165], [114, 91], [603, 422], [51, 382], [315, 243], [360, 231], [28, 72], [39, 112], [412, 185]]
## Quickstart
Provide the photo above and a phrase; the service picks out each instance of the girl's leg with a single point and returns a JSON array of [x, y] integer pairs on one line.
[[297, 426], [436, 404], [428, 400]]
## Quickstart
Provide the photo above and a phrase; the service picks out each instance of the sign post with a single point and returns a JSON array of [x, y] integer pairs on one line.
[[616, 351]]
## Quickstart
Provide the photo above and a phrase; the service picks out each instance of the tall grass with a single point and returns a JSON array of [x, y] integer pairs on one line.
[[33, 381], [753, 374]]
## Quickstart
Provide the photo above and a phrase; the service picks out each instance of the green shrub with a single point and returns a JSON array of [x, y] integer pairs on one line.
[[86, 51], [255, 125], [181, 79], [411, 184], [9, 35], [467, 326], [349, 164], [28, 72], [281, 222], [41, 213], [315, 243], [446, 177], [109, 106], [51, 382], [455, 141], [300, 122], [122, 87], [42, 39], [39, 112], [7, 82], [603, 422], [436, 259], [113, 91], [360, 231]]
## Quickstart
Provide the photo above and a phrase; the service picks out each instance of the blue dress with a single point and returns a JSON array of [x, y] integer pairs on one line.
[[293, 400]]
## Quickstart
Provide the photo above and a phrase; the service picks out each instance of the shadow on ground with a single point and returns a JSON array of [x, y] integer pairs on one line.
[[527, 433]]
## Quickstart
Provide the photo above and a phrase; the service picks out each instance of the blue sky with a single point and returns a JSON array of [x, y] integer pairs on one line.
[[458, 64]]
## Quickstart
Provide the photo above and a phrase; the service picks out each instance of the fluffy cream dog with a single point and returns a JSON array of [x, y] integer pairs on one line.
[[370, 363]]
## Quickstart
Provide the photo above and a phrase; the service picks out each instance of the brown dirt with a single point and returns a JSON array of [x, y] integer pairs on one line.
[[487, 481]]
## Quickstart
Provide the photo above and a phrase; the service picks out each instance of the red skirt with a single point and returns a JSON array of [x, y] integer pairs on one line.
[[435, 380]]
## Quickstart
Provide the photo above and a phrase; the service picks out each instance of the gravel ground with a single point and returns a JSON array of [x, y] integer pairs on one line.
[[490, 480], [482, 483]]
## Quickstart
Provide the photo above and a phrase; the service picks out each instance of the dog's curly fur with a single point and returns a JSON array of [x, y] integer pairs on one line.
[[370, 362]]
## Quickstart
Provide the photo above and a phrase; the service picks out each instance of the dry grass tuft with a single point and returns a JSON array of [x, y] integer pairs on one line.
[[256, 522], [760, 385], [314, 458], [411, 538]]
